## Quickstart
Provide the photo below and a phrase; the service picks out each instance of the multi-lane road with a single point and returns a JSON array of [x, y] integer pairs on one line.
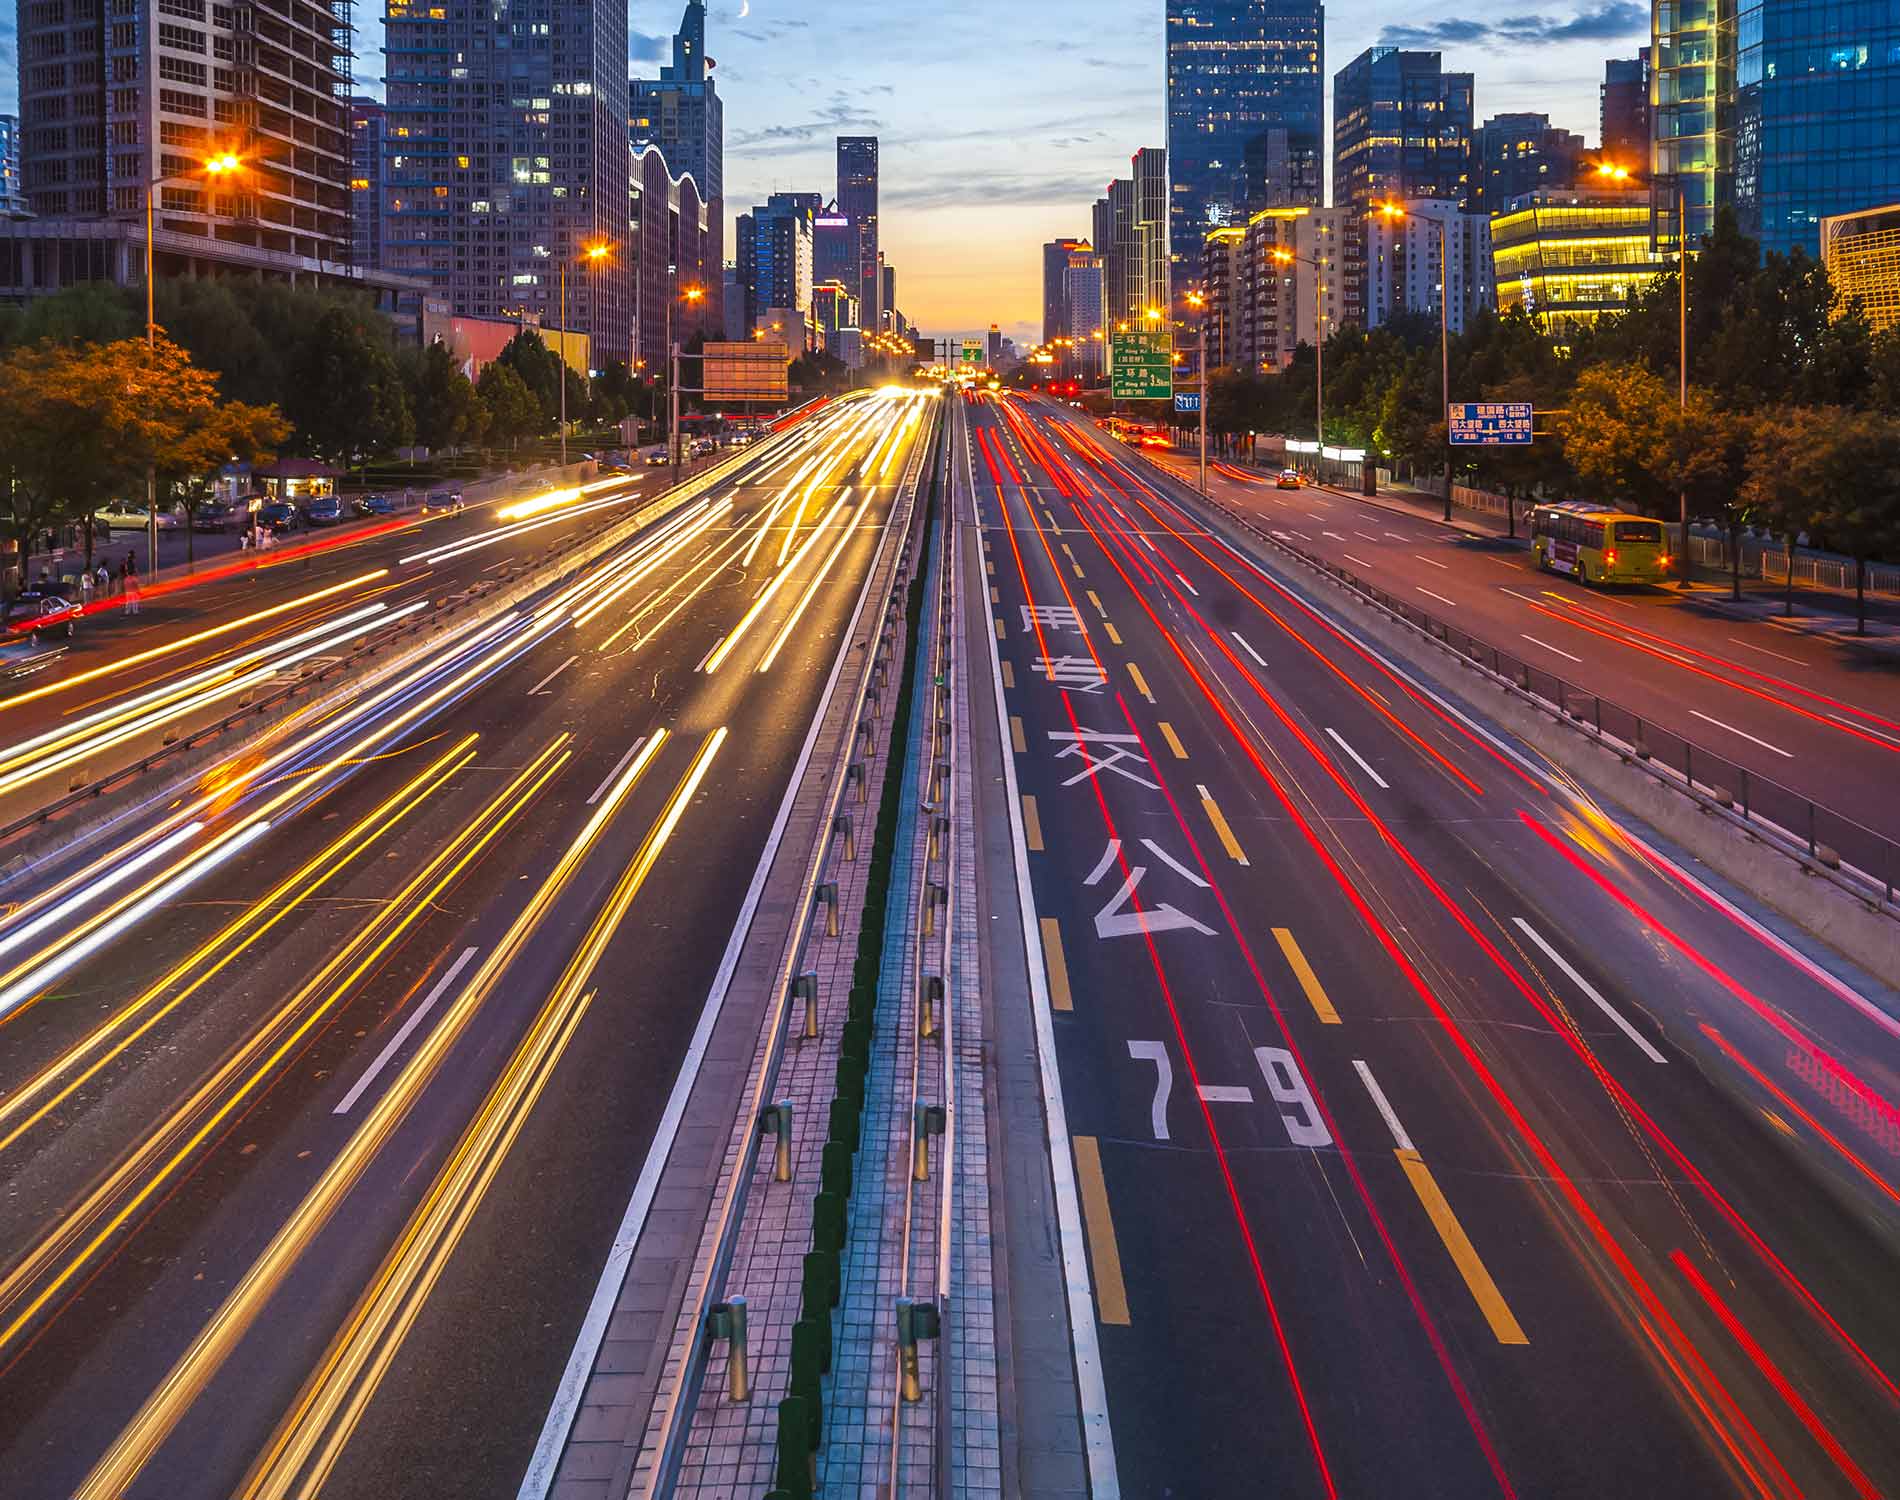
[[1422, 1131], [324, 1079]]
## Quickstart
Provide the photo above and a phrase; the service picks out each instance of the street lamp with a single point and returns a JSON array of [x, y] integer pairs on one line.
[[1395, 211], [223, 164], [1287, 258], [1621, 176], [590, 256], [692, 295], [1198, 302]]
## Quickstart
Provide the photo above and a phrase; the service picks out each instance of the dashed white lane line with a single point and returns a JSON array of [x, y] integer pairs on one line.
[[1861, 728], [1439, 597], [535, 691], [1359, 561], [1516, 595], [1555, 650], [1399, 1137], [1367, 535], [1777, 655], [1432, 562], [1339, 740], [1590, 991], [1785, 755], [619, 766], [1246, 646], [403, 1032]]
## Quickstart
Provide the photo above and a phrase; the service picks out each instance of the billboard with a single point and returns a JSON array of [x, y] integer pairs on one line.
[[753, 371], [1491, 424]]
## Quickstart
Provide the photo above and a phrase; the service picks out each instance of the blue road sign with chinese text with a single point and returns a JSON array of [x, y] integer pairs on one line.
[[1187, 401], [1491, 424]]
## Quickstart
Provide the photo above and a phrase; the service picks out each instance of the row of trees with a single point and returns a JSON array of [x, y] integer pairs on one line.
[[333, 365], [1792, 419]]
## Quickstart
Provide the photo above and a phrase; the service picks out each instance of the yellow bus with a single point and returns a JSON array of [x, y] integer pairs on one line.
[[1596, 545]]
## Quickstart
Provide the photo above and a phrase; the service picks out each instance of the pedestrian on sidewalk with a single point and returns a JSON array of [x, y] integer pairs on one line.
[[102, 576], [85, 590]]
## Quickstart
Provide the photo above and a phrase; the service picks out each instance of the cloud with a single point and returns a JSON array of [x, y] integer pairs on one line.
[[921, 192], [644, 48], [1611, 20], [838, 115]]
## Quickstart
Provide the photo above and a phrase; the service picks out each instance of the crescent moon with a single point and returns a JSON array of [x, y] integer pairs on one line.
[[745, 9]]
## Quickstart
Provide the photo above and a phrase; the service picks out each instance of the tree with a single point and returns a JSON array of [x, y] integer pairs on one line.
[[1860, 497], [1708, 459], [539, 368], [1618, 434], [1791, 462], [513, 413], [614, 393], [345, 396], [448, 413]]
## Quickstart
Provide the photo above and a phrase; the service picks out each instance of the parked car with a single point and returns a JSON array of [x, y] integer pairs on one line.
[[40, 615], [323, 510], [278, 517], [444, 500], [217, 515], [129, 517], [1289, 480]]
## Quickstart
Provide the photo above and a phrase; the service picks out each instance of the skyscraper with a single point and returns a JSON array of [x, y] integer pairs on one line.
[[99, 100], [775, 254], [1624, 110], [1055, 287], [857, 201], [1401, 128], [12, 200], [1083, 306], [1151, 226], [1516, 154], [369, 137], [1246, 113], [681, 112], [512, 161]]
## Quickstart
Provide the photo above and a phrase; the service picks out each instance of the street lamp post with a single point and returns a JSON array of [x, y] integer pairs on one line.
[[1398, 211], [221, 165], [1199, 303], [1287, 257], [692, 294], [590, 254]]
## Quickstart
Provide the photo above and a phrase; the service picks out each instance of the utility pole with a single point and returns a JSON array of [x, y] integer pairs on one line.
[[561, 366], [673, 395], [1682, 361], [1444, 348]]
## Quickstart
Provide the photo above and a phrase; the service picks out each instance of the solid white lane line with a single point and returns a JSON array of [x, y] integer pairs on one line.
[[1361, 562], [1189, 587], [1589, 990], [1340, 741], [614, 775], [1429, 562], [535, 691], [1226, 1093], [1399, 1137], [403, 1032], [1553, 649], [1248, 648], [1778, 656], [1742, 732], [1439, 597]]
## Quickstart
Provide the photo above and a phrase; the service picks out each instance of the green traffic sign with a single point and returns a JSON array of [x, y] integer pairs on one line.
[[1141, 365]]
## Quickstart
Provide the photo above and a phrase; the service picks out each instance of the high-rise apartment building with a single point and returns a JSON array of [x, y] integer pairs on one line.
[[369, 138], [1055, 287], [115, 96], [1246, 114], [681, 111], [1401, 129], [1516, 154], [1084, 308], [508, 157], [677, 258], [775, 254], [857, 201], [12, 200], [1624, 110], [1403, 272], [834, 249], [1262, 306]]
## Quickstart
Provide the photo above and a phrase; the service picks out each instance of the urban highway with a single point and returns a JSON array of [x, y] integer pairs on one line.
[[324, 1085], [1813, 713], [1430, 1133]]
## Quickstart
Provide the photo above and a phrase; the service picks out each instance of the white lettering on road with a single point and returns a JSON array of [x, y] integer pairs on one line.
[[1076, 743], [1157, 1053], [1306, 1128]]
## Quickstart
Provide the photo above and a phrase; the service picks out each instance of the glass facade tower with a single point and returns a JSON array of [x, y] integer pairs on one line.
[[1401, 129]]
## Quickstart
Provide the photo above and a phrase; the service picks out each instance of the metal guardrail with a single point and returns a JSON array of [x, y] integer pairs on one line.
[[710, 1279], [1858, 858]]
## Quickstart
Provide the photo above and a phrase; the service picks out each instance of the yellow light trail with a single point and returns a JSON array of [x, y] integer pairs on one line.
[[155, 652], [275, 907], [359, 956], [724, 648], [302, 1453], [811, 589], [713, 564], [162, 1410], [650, 564]]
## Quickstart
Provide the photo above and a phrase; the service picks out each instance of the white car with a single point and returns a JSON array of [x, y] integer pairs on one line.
[[127, 517]]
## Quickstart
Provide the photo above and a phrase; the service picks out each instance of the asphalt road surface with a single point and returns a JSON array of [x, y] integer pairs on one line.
[[323, 1093], [1431, 1135]]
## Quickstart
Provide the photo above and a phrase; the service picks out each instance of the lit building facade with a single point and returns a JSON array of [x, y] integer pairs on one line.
[[1055, 272], [678, 255], [1085, 308], [1862, 253], [1246, 113], [369, 139], [681, 111], [1512, 155], [775, 255], [1261, 307], [1401, 129], [508, 156], [1623, 109], [1569, 257], [1402, 270], [857, 201]]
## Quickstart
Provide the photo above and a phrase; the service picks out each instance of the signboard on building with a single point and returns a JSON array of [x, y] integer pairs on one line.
[[1141, 365], [1490, 424], [1187, 402], [752, 371]]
